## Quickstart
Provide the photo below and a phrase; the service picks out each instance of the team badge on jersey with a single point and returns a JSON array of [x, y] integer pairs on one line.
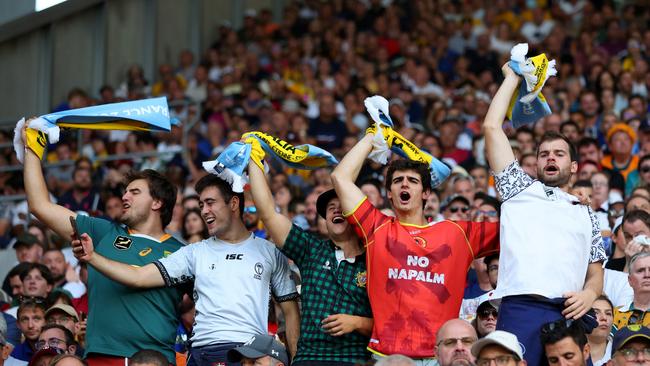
[[259, 269], [420, 241], [166, 253], [362, 279], [122, 242], [145, 252]]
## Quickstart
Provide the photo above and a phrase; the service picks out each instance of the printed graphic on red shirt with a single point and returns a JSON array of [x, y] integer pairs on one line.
[[416, 276]]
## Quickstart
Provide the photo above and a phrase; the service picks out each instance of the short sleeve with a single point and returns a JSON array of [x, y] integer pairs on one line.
[[298, 244], [96, 228], [177, 268], [511, 181], [597, 252], [282, 285], [366, 219]]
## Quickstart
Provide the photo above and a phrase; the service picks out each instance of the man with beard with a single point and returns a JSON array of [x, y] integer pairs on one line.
[[55, 261], [337, 319], [542, 227], [234, 273], [147, 318], [416, 270], [82, 197]]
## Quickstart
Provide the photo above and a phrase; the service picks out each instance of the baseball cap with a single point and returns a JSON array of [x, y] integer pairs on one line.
[[47, 351], [502, 338], [65, 308], [27, 240], [259, 346], [323, 200], [629, 333], [621, 127], [449, 200], [617, 224]]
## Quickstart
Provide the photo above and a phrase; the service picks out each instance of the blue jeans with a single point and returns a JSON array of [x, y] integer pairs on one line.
[[212, 355]]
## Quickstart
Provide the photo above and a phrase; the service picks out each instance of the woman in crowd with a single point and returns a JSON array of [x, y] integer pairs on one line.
[[600, 338], [194, 229]]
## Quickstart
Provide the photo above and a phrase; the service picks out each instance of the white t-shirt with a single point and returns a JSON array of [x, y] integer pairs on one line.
[[231, 286], [617, 288], [547, 239]]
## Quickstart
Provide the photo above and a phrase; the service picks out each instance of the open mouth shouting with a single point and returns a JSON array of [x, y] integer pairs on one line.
[[404, 197], [125, 206], [338, 219], [551, 169], [209, 220]]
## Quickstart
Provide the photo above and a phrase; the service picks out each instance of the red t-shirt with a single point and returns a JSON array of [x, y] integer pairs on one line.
[[416, 276]]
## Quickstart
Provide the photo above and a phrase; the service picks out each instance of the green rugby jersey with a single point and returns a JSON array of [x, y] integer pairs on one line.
[[328, 287], [124, 320]]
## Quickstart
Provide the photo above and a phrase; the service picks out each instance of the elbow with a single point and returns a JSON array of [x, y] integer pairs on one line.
[[489, 127], [336, 177]]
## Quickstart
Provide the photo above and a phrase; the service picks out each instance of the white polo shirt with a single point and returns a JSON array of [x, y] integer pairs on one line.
[[231, 286], [547, 238]]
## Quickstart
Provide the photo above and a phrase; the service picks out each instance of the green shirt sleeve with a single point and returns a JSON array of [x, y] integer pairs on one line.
[[96, 228], [298, 245]]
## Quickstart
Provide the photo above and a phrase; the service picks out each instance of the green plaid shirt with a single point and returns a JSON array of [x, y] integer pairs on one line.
[[328, 287]]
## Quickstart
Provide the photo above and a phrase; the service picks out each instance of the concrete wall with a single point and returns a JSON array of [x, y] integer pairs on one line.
[[96, 45]]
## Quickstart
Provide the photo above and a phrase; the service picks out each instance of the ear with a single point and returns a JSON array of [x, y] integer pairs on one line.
[[72, 349], [426, 193], [234, 203], [586, 351], [574, 167], [156, 205], [49, 288]]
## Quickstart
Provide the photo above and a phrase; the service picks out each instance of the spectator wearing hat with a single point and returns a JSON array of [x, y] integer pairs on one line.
[[565, 343], [31, 318], [621, 139], [637, 311], [336, 316], [639, 177], [600, 342], [28, 248], [66, 316], [261, 350], [499, 346], [456, 208], [485, 321], [631, 346]]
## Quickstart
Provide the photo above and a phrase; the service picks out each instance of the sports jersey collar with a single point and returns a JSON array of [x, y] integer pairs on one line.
[[340, 255], [160, 240], [217, 240]]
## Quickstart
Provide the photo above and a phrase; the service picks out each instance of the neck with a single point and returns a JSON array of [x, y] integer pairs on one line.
[[236, 233], [598, 346], [348, 242], [413, 217], [151, 228], [642, 301], [620, 160], [618, 252]]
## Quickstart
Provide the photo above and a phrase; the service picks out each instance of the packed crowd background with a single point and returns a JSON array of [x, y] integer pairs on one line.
[[304, 80]]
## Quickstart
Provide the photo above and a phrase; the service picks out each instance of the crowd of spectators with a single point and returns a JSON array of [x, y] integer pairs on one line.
[[304, 80]]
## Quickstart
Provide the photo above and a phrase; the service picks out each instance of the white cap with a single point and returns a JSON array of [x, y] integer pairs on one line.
[[617, 223], [615, 197], [502, 338]]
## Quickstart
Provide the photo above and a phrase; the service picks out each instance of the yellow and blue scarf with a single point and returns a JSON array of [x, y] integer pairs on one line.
[[528, 104]]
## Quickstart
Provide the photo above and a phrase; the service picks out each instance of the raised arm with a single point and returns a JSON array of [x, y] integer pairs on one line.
[[126, 274], [38, 198], [277, 224], [499, 152], [346, 173]]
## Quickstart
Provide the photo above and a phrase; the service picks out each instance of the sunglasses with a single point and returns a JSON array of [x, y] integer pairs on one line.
[[250, 209], [34, 299], [486, 313], [491, 213], [644, 169], [455, 209], [52, 343], [556, 325], [615, 213]]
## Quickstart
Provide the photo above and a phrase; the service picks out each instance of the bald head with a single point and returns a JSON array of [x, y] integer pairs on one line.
[[454, 341]]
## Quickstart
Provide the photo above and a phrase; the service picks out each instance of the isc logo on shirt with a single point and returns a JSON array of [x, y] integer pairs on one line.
[[233, 257]]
